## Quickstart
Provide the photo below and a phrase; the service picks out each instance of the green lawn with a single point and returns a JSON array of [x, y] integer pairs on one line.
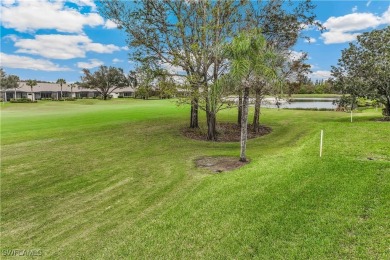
[[116, 179], [316, 95]]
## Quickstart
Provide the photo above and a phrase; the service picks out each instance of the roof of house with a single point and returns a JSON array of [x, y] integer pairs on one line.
[[50, 87]]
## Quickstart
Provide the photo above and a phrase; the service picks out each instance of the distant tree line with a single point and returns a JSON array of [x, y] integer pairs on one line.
[[308, 86]]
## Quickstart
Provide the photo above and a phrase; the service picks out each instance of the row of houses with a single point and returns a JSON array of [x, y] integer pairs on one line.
[[53, 91]]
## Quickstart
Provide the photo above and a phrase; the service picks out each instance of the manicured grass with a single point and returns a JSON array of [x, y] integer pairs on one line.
[[316, 95], [109, 180]]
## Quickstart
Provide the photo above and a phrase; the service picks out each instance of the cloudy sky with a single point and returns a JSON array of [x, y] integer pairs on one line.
[[47, 40]]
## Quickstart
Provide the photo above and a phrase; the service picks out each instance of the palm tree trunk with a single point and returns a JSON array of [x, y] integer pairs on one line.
[[244, 124], [239, 108]]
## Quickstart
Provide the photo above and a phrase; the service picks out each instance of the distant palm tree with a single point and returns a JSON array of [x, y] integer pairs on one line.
[[73, 85], [31, 83], [13, 82], [61, 81]]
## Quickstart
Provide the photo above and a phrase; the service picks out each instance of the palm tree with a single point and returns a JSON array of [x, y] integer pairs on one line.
[[31, 83], [3, 85], [73, 85], [61, 81], [249, 58], [13, 82], [8, 82]]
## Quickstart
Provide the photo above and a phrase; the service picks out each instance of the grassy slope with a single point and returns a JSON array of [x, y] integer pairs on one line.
[[93, 179]]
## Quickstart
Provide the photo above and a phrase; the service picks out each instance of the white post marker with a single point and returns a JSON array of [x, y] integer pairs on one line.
[[351, 115], [322, 136]]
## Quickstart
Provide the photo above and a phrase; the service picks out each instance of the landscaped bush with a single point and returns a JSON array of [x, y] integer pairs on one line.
[[46, 99], [362, 102], [22, 100], [65, 99]]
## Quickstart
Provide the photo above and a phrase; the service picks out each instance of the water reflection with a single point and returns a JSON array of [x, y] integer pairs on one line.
[[302, 103]]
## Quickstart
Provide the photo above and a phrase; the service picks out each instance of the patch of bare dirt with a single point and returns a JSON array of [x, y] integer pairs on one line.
[[226, 132], [219, 164]]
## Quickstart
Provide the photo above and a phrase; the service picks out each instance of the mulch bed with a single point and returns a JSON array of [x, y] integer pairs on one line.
[[384, 119], [226, 132], [219, 164]]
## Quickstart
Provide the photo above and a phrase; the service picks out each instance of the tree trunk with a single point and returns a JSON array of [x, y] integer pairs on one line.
[[194, 113], [244, 124], [15, 94], [256, 117], [239, 108], [211, 126], [386, 110], [61, 92]]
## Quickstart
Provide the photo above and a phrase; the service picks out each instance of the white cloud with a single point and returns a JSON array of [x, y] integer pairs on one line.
[[110, 25], [386, 16], [7, 2], [30, 16], [24, 62], [338, 37], [354, 9], [320, 74], [296, 55], [93, 63], [346, 28], [172, 69], [89, 3], [116, 60], [11, 37], [310, 40], [57, 46], [353, 22]]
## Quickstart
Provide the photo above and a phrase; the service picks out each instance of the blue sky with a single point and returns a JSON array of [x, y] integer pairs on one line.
[[47, 40]]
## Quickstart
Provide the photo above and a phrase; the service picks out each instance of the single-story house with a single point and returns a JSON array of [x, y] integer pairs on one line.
[[53, 91]]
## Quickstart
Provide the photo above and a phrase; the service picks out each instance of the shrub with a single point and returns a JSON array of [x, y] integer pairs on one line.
[[362, 102], [22, 100]]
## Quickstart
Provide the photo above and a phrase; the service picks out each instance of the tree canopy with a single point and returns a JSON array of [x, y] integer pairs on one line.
[[190, 35], [104, 80], [364, 68], [61, 82], [251, 61]]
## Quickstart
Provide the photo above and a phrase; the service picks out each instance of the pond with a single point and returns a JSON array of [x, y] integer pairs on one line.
[[301, 103]]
